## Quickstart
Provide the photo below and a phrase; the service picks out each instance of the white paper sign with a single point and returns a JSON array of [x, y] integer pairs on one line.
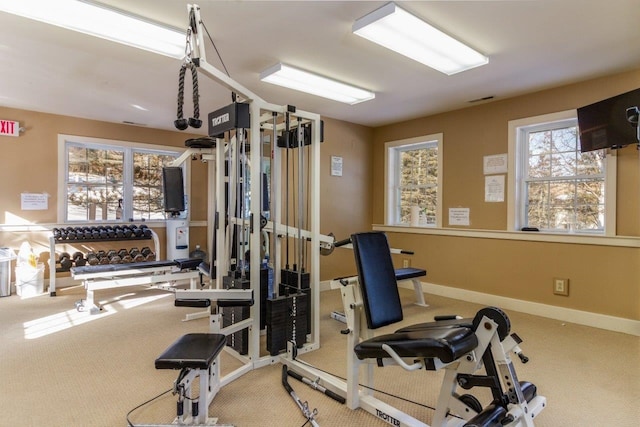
[[336, 166], [458, 216], [495, 164], [34, 201], [494, 188]]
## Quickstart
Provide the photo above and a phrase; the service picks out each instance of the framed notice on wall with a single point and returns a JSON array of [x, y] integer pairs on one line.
[[336, 166], [34, 201]]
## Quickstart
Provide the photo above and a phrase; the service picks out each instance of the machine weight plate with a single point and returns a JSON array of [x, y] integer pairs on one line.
[[498, 316]]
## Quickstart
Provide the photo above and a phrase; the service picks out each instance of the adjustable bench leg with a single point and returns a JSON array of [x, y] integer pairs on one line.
[[417, 287]]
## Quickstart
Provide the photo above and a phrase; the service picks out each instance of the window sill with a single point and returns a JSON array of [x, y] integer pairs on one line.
[[570, 238]]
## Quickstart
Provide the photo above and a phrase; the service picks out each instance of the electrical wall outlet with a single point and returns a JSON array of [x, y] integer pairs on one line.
[[561, 286], [406, 263]]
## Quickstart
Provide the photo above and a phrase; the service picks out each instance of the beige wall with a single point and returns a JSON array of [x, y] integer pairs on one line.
[[345, 201], [29, 164], [603, 279]]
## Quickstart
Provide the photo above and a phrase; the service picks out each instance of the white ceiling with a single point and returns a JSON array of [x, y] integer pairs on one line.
[[531, 45]]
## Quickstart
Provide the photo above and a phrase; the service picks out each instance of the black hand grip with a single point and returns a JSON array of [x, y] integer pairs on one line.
[[407, 252], [335, 396], [295, 375], [445, 317], [342, 242]]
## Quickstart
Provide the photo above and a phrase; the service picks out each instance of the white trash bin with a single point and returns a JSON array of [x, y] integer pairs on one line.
[[30, 280], [6, 256]]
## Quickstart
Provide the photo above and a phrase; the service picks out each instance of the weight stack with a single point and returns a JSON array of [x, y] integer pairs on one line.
[[286, 321], [239, 341], [289, 284]]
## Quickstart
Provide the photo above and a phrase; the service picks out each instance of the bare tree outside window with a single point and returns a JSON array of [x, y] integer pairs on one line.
[[417, 184], [564, 188]]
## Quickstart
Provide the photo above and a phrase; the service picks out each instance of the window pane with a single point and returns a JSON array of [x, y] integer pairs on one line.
[[537, 204], [562, 193], [556, 194], [539, 143], [591, 163], [77, 202], [561, 218], [147, 188], [563, 164], [427, 199], [407, 199], [540, 166], [564, 139], [589, 217]]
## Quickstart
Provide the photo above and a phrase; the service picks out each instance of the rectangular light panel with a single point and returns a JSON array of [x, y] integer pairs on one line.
[[96, 20], [294, 78], [398, 30]]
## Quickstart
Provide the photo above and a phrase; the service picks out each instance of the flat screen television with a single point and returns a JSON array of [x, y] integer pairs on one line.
[[604, 124], [173, 190]]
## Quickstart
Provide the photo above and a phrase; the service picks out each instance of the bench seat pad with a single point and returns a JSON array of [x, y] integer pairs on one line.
[[196, 351], [446, 344], [409, 273]]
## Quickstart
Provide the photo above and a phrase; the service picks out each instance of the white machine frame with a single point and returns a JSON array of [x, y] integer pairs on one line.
[[363, 397], [265, 117]]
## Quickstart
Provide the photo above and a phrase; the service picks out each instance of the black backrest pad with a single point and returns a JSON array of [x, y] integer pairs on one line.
[[377, 279]]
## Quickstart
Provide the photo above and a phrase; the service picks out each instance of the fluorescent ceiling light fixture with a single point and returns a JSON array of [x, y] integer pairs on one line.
[[102, 21], [294, 78], [402, 32]]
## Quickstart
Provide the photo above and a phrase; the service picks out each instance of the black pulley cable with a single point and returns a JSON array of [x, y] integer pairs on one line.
[[181, 123]]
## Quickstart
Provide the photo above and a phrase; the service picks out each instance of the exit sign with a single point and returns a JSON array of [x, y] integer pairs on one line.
[[9, 128]]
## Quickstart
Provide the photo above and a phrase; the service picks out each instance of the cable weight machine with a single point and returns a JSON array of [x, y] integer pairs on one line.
[[288, 229]]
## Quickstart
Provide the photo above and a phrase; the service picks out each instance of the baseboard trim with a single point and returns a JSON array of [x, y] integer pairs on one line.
[[595, 320]]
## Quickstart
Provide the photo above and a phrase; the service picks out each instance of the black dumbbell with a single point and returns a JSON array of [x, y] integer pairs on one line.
[[134, 251], [56, 233], [145, 251], [77, 255], [65, 261], [111, 253], [150, 257], [103, 261], [127, 258], [122, 252], [71, 234], [127, 232], [115, 259], [92, 259], [119, 232], [138, 258]]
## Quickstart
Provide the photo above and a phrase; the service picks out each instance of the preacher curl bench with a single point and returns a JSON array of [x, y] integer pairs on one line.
[[462, 347]]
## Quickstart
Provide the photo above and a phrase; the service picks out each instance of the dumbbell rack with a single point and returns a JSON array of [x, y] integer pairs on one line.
[[53, 241]]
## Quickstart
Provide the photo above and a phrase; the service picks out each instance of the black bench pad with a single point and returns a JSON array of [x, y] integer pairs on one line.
[[446, 344], [196, 351], [409, 273]]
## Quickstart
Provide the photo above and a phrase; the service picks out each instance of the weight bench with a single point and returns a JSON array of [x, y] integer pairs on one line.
[[473, 352], [461, 347], [96, 277], [195, 355]]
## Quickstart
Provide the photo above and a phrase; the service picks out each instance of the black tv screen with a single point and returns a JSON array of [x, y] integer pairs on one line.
[[604, 124], [173, 189]]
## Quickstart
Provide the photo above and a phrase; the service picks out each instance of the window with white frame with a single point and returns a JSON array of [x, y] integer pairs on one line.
[[413, 177], [105, 180], [558, 188]]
